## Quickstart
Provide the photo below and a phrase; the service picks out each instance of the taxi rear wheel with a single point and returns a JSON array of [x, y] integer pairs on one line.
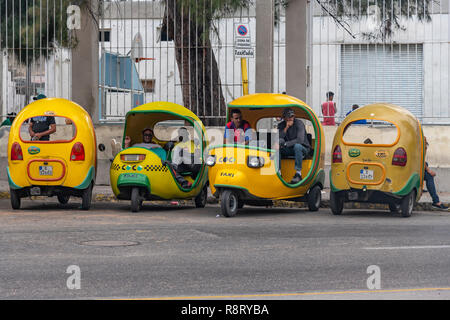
[[201, 198], [314, 198], [407, 204], [136, 201], [229, 203], [15, 199], [336, 203], [86, 198]]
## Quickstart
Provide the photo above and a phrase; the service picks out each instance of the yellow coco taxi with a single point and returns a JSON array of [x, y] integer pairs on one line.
[[378, 156], [149, 170], [248, 173], [51, 152]]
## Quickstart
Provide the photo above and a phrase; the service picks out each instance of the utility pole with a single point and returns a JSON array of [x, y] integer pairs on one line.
[[297, 48], [85, 62], [264, 46]]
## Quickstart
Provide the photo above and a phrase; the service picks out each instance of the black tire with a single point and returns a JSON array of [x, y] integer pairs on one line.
[[201, 198], [135, 200], [15, 199], [240, 204], [394, 208], [63, 198], [336, 203], [229, 202], [407, 205], [314, 198], [86, 198]]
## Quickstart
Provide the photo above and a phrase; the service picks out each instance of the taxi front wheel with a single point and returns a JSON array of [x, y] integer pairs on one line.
[[136, 200], [63, 198], [229, 203]]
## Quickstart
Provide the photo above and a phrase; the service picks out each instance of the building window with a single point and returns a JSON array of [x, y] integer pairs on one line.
[[104, 35], [148, 85], [382, 73]]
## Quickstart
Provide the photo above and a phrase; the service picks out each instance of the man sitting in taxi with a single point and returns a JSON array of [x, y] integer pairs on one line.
[[186, 157], [147, 136], [237, 130], [293, 141]]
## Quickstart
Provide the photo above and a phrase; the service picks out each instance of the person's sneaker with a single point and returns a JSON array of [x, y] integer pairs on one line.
[[296, 179], [186, 184], [440, 206]]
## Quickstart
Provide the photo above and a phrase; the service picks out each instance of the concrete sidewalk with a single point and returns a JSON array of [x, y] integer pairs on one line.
[[104, 193]]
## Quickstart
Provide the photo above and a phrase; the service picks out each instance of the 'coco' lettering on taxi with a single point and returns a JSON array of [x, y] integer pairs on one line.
[[226, 160]]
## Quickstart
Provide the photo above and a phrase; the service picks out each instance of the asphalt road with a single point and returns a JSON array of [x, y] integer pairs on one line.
[[168, 251]]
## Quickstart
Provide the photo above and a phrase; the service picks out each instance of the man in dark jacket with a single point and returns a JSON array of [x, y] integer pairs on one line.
[[293, 141]]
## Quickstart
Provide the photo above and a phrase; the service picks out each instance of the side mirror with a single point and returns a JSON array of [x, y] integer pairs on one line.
[[101, 147], [116, 147]]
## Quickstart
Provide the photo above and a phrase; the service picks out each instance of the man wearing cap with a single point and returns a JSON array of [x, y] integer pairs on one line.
[[329, 110], [293, 141], [41, 127], [147, 136]]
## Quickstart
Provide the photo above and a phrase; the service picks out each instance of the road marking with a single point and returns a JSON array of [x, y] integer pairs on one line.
[[409, 247], [293, 294]]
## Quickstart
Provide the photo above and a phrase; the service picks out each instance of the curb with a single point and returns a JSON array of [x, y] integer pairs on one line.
[[101, 197]]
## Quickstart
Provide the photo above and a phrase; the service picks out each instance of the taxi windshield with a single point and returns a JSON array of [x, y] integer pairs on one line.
[[45, 128], [370, 132]]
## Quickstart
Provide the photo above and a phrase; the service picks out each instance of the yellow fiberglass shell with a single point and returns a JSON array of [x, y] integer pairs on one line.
[[266, 182], [389, 178], [67, 173], [159, 180]]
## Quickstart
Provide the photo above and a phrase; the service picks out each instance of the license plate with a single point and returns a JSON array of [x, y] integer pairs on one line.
[[353, 196], [366, 174], [45, 170], [35, 191]]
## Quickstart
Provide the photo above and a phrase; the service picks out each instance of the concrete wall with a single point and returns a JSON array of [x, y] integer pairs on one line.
[[438, 155], [434, 36]]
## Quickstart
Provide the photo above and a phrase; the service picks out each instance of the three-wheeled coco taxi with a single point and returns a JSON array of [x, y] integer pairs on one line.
[[378, 156], [52, 152], [169, 165], [249, 172]]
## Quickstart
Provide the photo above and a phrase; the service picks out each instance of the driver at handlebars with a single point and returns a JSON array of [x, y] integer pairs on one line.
[[147, 136], [237, 130]]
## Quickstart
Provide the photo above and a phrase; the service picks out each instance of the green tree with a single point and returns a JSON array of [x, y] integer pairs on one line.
[[190, 24], [387, 12], [32, 29]]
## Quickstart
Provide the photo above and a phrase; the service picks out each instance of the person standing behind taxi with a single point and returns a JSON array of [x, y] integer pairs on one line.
[[329, 110]]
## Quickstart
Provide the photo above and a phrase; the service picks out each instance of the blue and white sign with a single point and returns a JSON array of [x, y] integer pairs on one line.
[[242, 41]]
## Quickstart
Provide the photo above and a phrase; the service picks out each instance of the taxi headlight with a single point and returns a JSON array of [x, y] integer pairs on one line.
[[211, 160], [255, 162]]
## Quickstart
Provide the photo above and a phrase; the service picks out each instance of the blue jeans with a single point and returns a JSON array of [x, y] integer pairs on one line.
[[429, 180], [298, 151]]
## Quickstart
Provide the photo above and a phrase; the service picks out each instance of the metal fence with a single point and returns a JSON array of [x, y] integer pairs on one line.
[[34, 56], [160, 50], [355, 56], [182, 54]]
